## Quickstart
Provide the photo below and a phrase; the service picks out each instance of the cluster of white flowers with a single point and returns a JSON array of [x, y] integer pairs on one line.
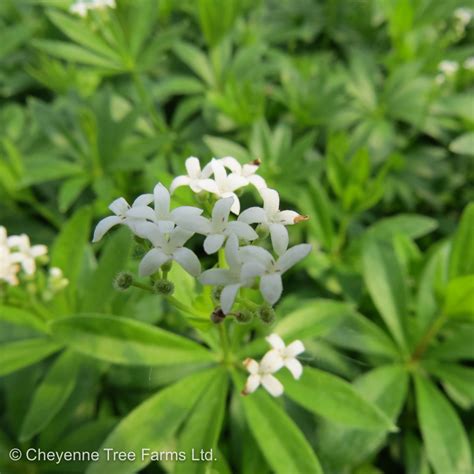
[[463, 17], [168, 229], [448, 69], [16, 254], [82, 7], [280, 355]]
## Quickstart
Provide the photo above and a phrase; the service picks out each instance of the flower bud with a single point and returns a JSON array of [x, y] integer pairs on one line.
[[217, 316], [244, 316], [163, 287], [262, 231], [267, 314], [166, 267], [123, 281]]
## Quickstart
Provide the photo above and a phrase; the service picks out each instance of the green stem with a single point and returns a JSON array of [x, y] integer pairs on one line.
[[186, 309], [424, 342], [224, 341], [137, 284]]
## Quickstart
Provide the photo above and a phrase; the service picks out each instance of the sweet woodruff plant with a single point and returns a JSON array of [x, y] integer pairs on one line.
[[240, 240]]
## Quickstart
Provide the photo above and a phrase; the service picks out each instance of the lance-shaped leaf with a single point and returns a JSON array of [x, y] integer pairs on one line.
[[335, 399], [126, 341], [152, 424], [51, 394], [387, 287], [446, 442], [461, 261], [282, 443], [17, 323]]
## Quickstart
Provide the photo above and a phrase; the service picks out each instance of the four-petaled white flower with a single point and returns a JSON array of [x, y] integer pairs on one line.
[[247, 171], [124, 214], [288, 353], [218, 228], [167, 247], [195, 176], [270, 270], [224, 185], [231, 278], [24, 253], [261, 374], [79, 8], [270, 217]]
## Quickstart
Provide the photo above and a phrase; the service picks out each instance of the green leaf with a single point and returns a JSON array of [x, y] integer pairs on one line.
[[222, 147], [19, 354], [40, 169], [459, 298], [410, 225], [51, 395], [99, 289], [456, 345], [463, 145], [333, 398], [461, 261], [196, 60], [387, 286], [18, 323], [153, 423], [284, 446], [202, 429], [70, 190], [446, 442], [126, 341]]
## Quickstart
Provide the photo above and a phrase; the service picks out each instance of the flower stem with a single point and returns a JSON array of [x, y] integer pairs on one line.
[[224, 341], [424, 342], [184, 308]]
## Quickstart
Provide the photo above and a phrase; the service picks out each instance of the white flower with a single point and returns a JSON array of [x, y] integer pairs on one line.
[[448, 68], [195, 176], [261, 374], [168, 247], [262, 263], [8, 267], [288, 354], [79, 8], [218, 228], [124, 214], [463, 15], [165, 218], [271, 218], [24, 253], [247, 171], [224, 185], [231, 278], [469, 64]]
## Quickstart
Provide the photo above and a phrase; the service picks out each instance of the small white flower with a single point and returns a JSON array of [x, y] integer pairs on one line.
[[8, 267], [288, 354], [79, 8], [271, 218], [24, 253], [261, 374], [469, 64], [463, 15], [224, 185], [165, 218], [195, 176], [231, 278], [258, 261], [167, 247], [247, 171], [124, 214], [448, 68], [218, 228]]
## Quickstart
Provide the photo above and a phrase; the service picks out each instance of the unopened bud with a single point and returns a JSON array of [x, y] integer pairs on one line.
[[262, 231], [244, 317], [267, 314], [256, 162], [166, 267], [123, 281], [163, 287], [217, 316]]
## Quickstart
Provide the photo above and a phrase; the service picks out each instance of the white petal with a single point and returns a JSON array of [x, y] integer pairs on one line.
[[207, 171], [152, 261], [252, 253], [179, 237], [232, 164], [213, 242], [197, 224], [253, 215], [272, 385], [119, 207], [250, 271], [209, 185], [279, 236], [295, 367], [38, 250], [251, 365], [232, 252], [249, 169], [162, 199], [104, 226], [292, 256], [221, 210], [253, 382], [179, 181], [228, 297], [271, 287], [257, 181], [150, 231], [141, 212], [271, 200], [216, 276], [234, 182], [143, 200], [241, 230], [188, 260], [193, 167], [271, 362], [183, 213], [294, 349], [220, 175], [165, 226], [285, 217], [236, 204], [275, 341]]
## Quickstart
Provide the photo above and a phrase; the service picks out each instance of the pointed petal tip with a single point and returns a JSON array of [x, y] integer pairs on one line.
[[300, 218]]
